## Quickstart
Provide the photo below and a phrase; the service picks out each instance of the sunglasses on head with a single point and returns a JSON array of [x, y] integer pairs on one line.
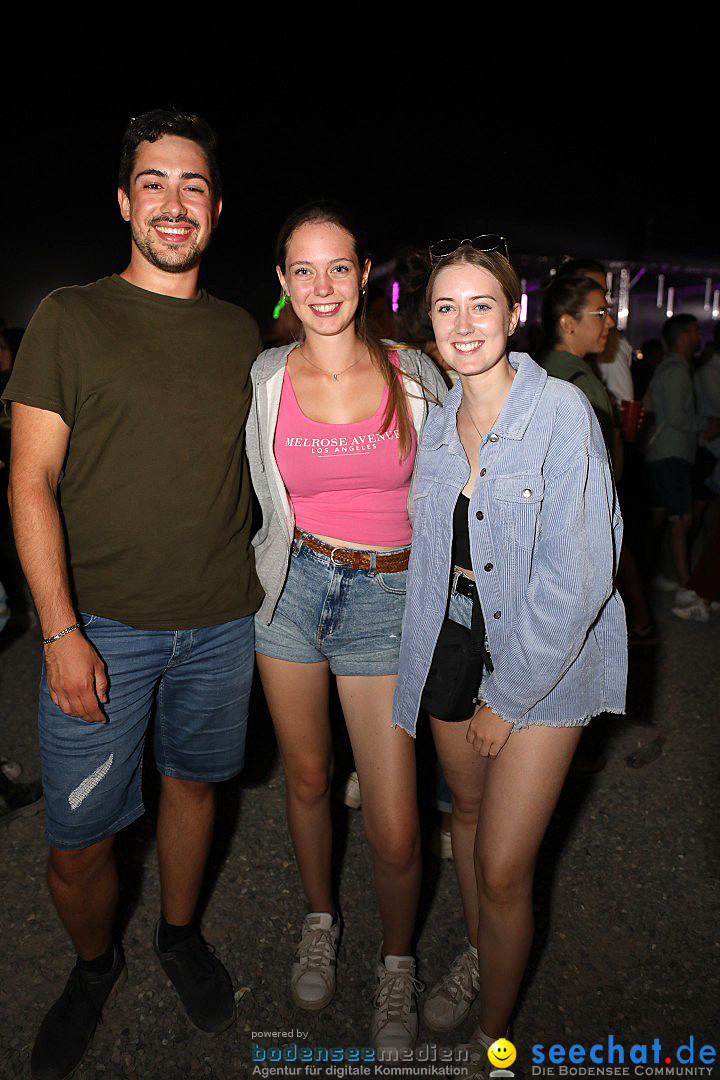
[[486, 243]]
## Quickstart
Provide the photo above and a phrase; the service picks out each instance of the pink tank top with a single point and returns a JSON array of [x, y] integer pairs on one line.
[[344, 480]]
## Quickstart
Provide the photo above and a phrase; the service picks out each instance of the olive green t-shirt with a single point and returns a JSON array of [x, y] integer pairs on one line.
[[155, 493]]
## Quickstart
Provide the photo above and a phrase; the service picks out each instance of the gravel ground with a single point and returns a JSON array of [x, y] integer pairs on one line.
[[626, 897]]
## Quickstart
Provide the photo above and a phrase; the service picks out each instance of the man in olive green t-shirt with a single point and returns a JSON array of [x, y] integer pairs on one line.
[[131, 507]]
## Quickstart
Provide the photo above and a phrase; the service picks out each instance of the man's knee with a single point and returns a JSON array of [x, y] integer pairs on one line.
[[72, 867], [187, 791]]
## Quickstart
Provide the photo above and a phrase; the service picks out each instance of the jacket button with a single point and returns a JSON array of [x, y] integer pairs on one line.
[[526, 493], [488, 566], [496, 615], [479, 515], [493, 437], [483, 471]]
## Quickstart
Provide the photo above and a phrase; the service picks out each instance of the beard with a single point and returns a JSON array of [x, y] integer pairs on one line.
[[164, 257]]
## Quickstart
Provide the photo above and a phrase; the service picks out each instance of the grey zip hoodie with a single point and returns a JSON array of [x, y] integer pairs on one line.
[[424, 388]]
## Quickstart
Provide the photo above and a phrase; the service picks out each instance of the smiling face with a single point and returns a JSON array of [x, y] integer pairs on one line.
[[170, 204], [323, 277], [471, 318], [502, 1053]]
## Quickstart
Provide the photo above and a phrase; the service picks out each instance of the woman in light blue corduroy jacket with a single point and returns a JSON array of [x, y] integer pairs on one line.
[[513, 497]]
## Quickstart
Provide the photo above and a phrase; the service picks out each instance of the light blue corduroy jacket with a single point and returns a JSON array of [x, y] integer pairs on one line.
[[545, 533]]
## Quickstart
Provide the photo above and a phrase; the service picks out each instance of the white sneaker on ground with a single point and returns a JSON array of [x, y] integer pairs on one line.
[[685, 596], [312, 982], [441, 844], [394, 1025], [450, 1000], [697, 612], [351, 792]]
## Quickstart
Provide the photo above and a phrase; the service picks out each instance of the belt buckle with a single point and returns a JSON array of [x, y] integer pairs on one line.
[[456, 577], [332, 556]]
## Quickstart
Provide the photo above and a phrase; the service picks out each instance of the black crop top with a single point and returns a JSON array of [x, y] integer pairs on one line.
[[461, 557], [461, 536]]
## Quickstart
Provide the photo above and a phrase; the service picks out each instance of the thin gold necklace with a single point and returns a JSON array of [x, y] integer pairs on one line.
[[334, 375]]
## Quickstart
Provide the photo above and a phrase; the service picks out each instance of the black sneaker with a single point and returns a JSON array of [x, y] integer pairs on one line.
[[202, 983], [66, 1031]]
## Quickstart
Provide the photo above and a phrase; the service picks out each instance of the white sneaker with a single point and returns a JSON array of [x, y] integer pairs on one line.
[[441, 844], [697, 612], [685, 596], [351, 792], [312, 982], [394, 1025], [449, 1001]]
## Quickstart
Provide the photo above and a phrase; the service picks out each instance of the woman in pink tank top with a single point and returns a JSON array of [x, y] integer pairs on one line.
[[331, 443]]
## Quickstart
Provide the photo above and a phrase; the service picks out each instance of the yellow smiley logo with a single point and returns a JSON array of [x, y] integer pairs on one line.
[[502, 1053]]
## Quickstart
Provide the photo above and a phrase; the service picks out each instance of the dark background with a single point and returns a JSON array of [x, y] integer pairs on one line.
[[414, 167]]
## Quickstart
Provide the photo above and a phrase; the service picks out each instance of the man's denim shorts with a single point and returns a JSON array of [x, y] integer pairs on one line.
[[199, 682], [329, 612]]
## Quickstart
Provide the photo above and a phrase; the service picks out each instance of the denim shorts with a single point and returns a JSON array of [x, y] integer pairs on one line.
[[199, 682], [329, 612]]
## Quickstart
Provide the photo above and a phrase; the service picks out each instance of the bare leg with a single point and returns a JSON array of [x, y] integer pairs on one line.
[[184, 832], [385, 763], [465, 773], [84, 888], [297, 697], [521, 789]]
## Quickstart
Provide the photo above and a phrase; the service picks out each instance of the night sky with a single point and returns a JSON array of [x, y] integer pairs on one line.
[[412, 172]]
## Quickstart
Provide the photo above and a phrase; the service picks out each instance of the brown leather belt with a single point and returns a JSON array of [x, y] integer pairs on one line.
[[359, 560]]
